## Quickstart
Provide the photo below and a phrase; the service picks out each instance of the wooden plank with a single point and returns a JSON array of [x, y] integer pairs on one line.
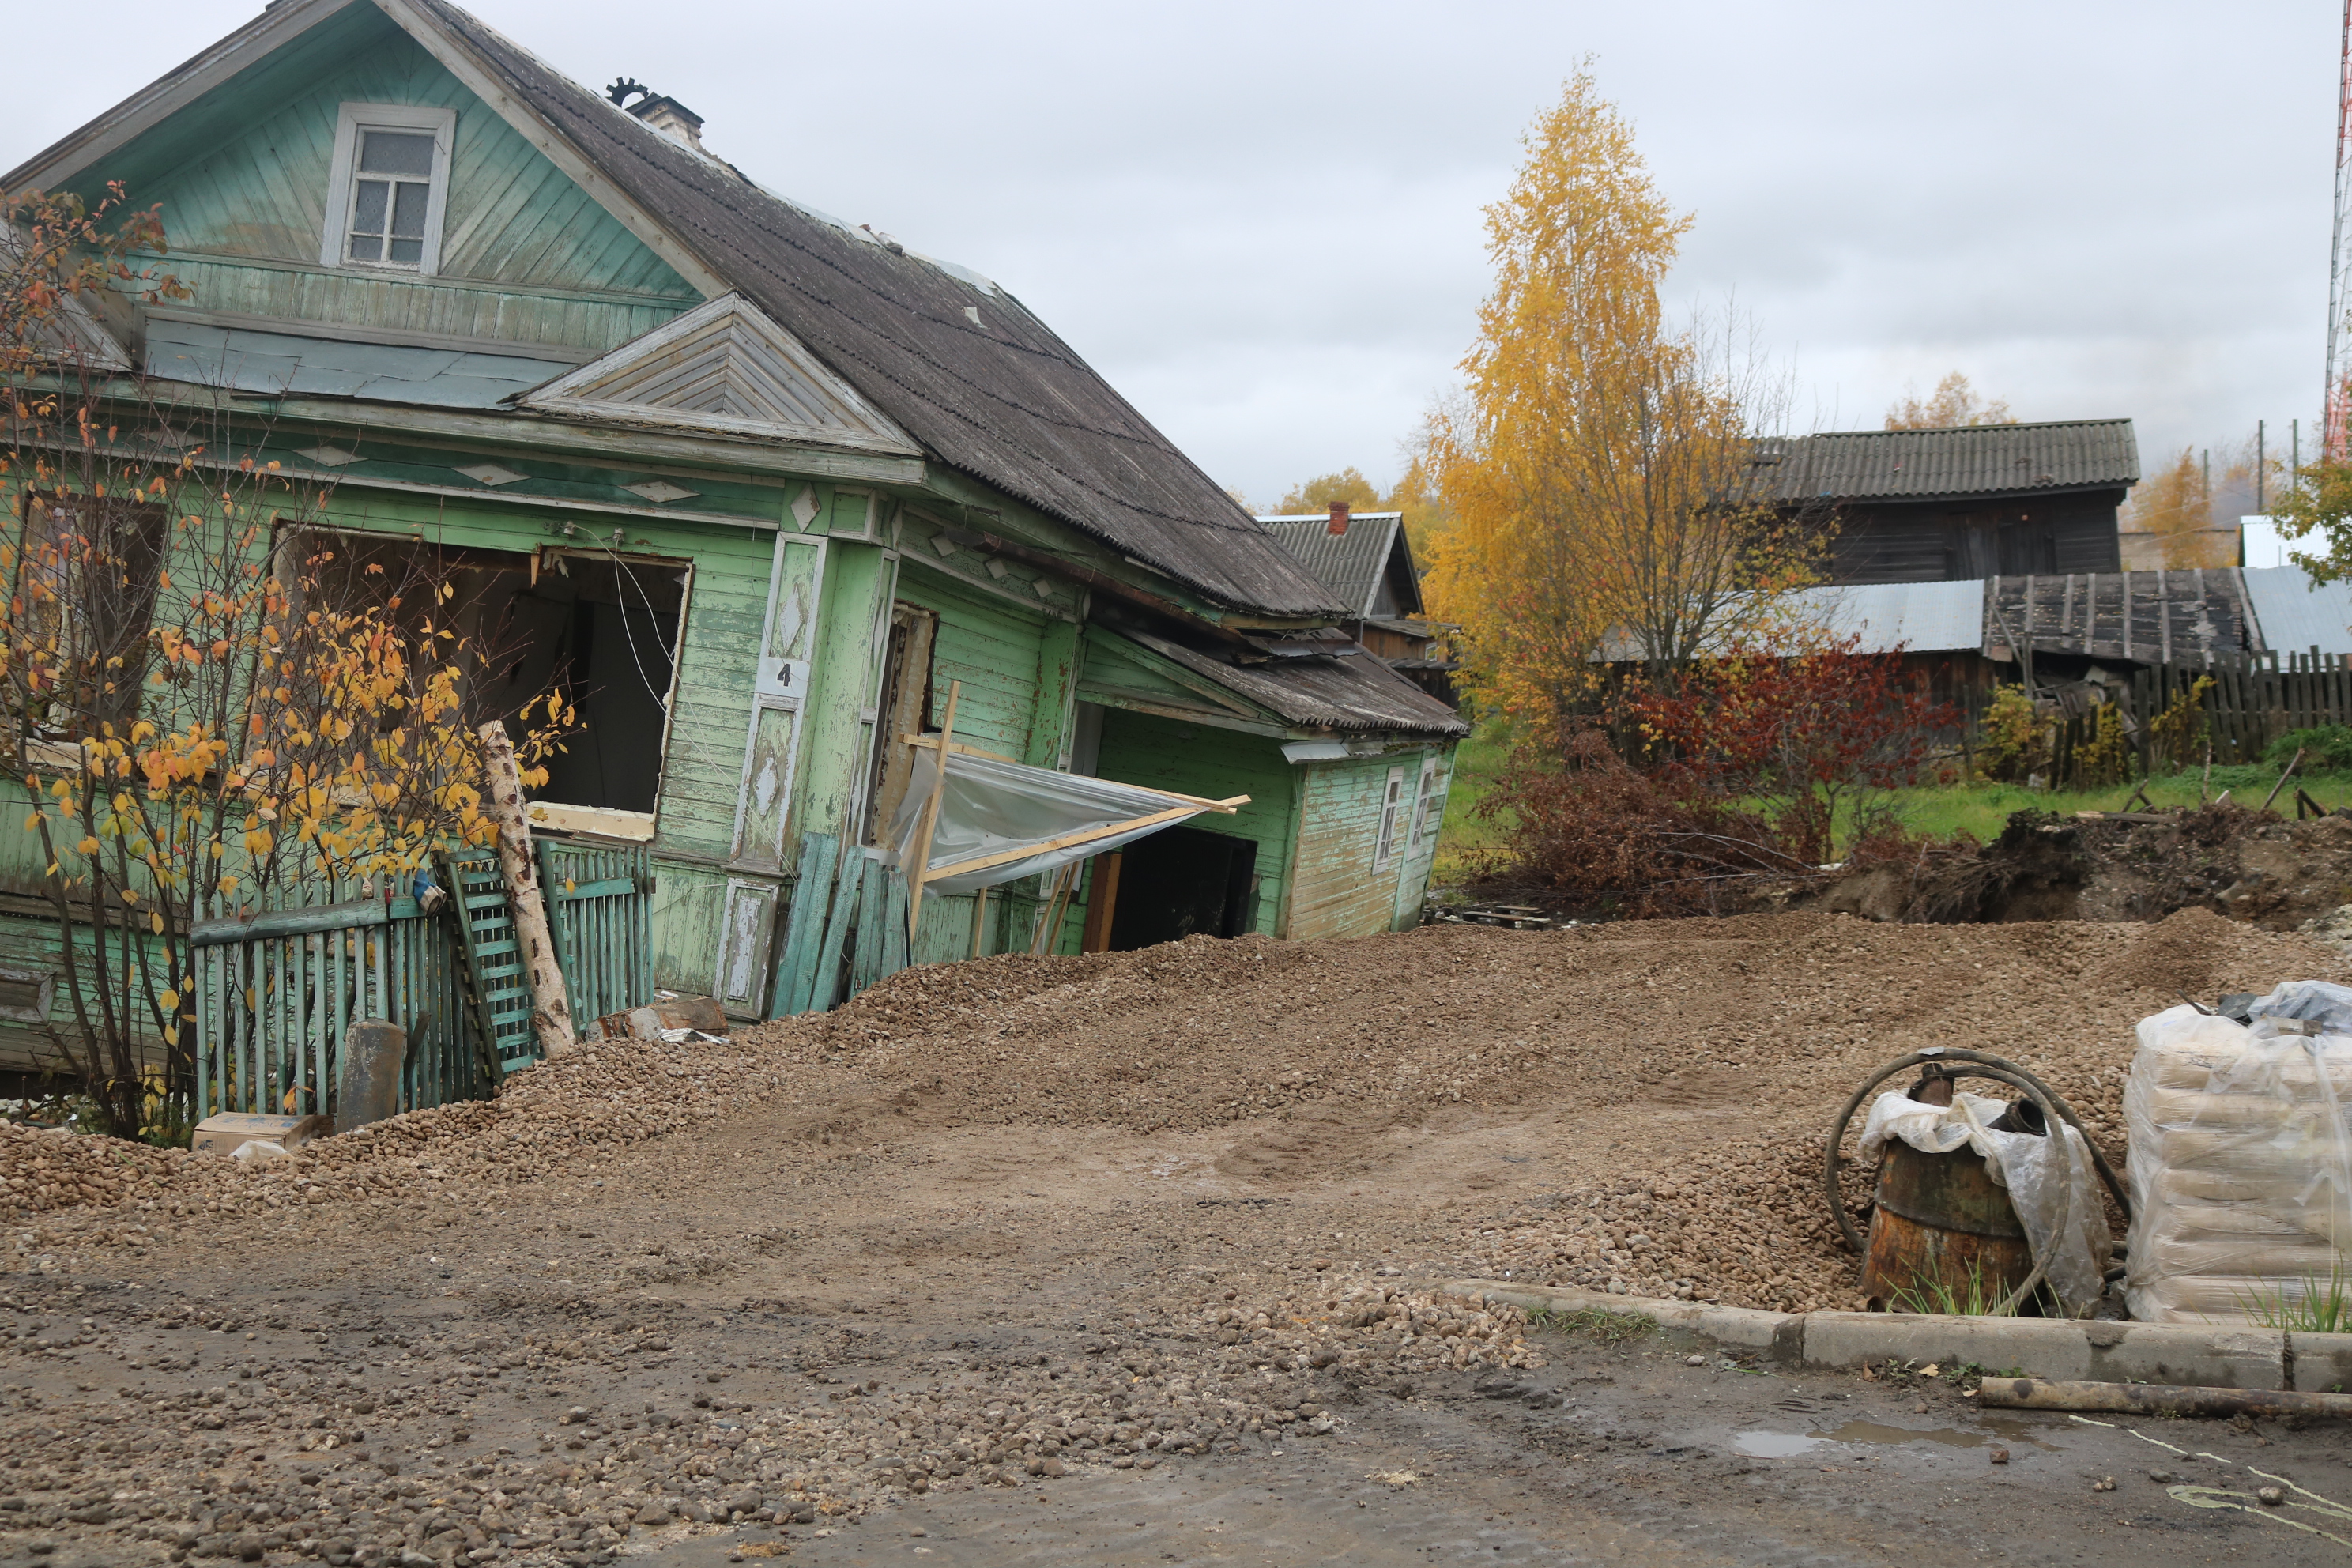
[[919, 872], [796, 967], [873, 898], [894, 923], [832, 958]]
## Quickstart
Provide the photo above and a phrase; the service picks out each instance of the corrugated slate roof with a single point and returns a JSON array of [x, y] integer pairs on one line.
[[1000, 397], [1354, 690], [2296, 614], [1970, 460], [1351, 563]]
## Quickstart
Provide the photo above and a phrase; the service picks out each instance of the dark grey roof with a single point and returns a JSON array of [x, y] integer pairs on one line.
[[1349, 690], [1002, 399], [1968, 461], [1350, 564], [2145, 617]]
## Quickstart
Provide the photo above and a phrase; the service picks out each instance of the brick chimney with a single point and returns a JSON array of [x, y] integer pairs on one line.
[[1337, 526], [666, 115]]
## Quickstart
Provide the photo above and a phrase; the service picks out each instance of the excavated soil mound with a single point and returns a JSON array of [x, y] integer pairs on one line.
[[2246, 865]]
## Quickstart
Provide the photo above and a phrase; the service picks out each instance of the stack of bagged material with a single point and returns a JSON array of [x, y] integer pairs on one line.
[[2241, 1156]]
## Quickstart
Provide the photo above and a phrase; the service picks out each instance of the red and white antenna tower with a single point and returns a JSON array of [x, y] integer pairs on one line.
[[2332, 427]]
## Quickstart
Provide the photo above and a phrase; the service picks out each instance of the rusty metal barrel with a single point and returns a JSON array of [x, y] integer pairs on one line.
[[1941, 1231]]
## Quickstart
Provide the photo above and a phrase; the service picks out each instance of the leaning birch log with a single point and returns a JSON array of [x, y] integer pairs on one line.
[[550, 1010]]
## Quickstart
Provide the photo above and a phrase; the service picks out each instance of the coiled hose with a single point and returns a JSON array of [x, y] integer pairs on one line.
[[1957, 1063]]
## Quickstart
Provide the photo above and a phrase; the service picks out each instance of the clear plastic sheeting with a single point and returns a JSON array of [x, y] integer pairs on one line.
[[2053, 1185], [2240, 1157], [990, 808]]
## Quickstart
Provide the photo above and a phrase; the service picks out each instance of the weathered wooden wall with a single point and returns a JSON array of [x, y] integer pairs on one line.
[[1952, 540], [1336, 891], [527, 256]]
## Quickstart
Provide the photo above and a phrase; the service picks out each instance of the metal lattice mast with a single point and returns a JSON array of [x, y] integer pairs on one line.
[[2332, 428]]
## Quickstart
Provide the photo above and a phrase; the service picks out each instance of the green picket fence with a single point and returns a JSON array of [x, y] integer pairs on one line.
[[276, 988]]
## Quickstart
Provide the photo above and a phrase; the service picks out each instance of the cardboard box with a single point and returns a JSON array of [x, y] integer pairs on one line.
[[231, 1130]]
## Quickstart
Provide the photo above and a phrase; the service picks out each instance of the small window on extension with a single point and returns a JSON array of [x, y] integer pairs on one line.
[[1392, 802]]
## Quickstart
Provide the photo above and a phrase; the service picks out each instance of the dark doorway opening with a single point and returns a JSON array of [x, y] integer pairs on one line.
[[1182, 881]]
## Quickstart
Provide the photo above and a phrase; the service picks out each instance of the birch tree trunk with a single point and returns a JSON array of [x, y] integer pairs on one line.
[[550, 1010]]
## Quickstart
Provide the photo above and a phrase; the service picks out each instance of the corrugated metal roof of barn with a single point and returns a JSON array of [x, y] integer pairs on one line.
[[2296, 613], [1917, 617]]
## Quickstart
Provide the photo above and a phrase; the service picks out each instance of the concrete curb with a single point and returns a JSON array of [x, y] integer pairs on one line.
[[2092, 1352]]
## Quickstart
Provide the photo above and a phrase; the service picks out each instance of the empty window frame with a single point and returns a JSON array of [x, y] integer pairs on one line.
[[600, 628], [1391, 805], [1424, 804], [388, 187], [86, 572], [905, 709]]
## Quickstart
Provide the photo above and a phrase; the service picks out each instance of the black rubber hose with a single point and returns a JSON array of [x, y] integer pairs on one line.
[[1969, 1064]]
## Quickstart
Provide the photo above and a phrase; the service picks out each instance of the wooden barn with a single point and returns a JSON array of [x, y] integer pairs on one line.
[[1983, 501]]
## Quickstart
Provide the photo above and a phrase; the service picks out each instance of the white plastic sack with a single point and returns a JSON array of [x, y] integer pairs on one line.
[[2071, 1242], [990, 808], [2240, 1157]]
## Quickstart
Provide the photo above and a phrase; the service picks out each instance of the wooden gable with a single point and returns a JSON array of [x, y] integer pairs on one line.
[[243, 173], [725, 368]]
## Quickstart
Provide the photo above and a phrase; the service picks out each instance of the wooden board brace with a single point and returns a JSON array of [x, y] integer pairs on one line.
[[919, 872]]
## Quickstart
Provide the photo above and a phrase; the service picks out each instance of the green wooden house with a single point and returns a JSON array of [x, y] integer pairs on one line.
[[759, 484]]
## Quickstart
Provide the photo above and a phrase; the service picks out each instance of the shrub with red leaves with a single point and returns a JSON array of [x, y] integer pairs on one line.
[[1755, 763]]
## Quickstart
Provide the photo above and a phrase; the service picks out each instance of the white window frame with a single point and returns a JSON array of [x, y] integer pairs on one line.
[[1426, 790], [1391, 805], [335, 241]]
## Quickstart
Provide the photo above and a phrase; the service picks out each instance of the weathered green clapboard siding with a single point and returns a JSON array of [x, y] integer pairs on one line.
[[1336, 891], [1422, 854], [255, 187], [1195, 759], [990, 645], [31, 947], [689, 902]]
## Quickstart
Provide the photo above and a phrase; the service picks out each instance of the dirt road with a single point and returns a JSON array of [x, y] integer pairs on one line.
[[1120, 1261]]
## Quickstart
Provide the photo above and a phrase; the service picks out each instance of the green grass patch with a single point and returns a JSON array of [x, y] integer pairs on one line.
[[1479, 764], [1594, 1323], [2310, 1306]]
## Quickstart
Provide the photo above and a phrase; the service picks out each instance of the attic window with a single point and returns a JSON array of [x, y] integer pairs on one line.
[[389, 187]]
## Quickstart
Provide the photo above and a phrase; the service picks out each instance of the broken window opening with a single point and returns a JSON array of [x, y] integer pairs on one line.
[[87, 573], [600, 629], [905, 709]]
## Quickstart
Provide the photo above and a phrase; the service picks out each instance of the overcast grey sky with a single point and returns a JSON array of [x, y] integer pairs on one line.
[[1261, 221]]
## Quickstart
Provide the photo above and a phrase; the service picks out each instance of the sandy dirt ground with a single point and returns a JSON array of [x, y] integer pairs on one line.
[[1113, 1260]]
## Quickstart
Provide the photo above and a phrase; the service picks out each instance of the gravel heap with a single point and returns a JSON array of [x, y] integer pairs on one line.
[[1758, 1028]]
